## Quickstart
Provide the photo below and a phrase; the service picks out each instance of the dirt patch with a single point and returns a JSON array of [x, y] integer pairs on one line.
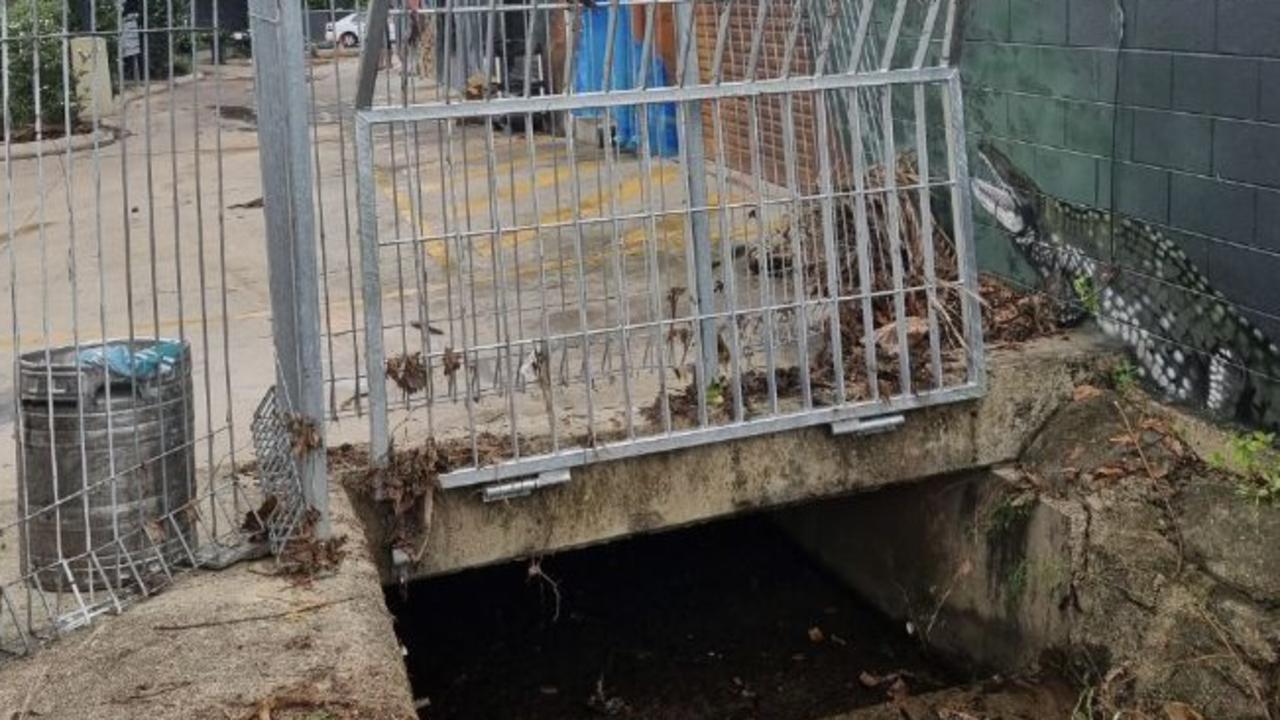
[[51, 131], [1020, 698], [238, 113]]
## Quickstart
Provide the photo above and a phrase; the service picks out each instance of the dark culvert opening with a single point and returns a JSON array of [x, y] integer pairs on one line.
[[723, 620]]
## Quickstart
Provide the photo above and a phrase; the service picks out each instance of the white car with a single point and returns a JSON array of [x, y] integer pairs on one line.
[[348, 31]]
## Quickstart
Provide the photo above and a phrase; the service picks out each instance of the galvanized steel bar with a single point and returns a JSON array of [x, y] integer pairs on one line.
[[694, 157], [371, 288], [761, 87], [571, 458], [374, 45], [285, 159]]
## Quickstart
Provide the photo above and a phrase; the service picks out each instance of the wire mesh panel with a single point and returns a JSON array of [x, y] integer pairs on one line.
[[138, 320], [636, 226]]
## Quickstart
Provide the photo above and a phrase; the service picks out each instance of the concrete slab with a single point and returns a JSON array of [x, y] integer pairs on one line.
[[325, 649], [611, 500]]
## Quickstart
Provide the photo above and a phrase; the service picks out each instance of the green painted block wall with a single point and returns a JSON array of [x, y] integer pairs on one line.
[[1175, 120]]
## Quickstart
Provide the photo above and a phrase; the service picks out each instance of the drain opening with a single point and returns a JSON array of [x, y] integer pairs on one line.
[[724, 620]]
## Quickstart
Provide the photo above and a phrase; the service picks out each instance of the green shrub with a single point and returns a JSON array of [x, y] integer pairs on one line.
[[35, 33], [1257, 459], [34, 45]]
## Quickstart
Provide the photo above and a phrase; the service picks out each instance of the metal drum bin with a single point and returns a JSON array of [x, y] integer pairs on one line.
[[105, 458]]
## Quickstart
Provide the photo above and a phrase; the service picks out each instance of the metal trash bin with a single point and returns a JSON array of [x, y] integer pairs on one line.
[[106, 457]]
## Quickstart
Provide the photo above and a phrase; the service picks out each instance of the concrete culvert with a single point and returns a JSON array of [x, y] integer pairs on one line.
[[724, 620], [1110, 570]]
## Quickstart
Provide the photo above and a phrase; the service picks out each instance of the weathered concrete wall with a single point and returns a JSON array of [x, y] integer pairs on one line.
[[1151, 570], [977, 574], [612, 500]]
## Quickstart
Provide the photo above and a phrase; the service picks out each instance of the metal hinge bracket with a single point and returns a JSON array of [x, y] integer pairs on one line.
[[524, 487], [867, 426]]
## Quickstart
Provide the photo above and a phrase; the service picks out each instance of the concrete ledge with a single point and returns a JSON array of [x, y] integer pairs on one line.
[[102, 137], [195, 651], [612, 500]]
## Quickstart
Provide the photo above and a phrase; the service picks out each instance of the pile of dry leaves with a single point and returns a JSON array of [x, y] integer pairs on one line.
[[920, 255]]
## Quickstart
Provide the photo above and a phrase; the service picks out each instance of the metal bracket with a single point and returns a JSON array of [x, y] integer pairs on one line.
[[524, 487], [867, 426]]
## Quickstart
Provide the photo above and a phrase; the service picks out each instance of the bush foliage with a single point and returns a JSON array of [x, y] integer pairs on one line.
[[35, 47], [38, 29]]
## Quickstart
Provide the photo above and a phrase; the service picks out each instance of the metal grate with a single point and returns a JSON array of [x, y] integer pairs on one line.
[[276, 429], [756, 219], [130, 173]]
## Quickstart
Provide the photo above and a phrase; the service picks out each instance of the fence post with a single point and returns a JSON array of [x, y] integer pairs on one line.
[[690, 117], [284, 152]]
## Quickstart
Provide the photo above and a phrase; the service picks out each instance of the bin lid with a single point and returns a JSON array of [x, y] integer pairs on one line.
[[71, 372]]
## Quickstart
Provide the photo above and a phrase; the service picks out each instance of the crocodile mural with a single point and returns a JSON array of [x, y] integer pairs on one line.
[[1187, 339]]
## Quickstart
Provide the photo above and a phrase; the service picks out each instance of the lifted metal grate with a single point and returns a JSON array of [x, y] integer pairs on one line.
[[755, 219]]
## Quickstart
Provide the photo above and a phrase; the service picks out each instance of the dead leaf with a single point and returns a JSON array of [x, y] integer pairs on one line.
[[1180, 711], [408, 372], [1154, 424], [887, 335], [250, 205], [1110, 471], [898, 691], [1085, 392]]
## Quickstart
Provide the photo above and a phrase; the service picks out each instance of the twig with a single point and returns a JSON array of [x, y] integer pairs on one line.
[[1226, 642], [1168, 508], [1137, 441], [254, 618], [535, 571], [153, 692], [945, 314]]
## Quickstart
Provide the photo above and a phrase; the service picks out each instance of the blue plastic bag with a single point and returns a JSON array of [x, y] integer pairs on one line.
[[142, 364]]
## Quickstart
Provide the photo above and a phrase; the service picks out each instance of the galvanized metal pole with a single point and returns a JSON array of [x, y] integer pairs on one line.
[[695, 169], [284, 151], [374, 45]]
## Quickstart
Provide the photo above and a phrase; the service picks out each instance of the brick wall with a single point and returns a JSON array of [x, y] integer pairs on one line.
[[1178, 123], [771, 111]]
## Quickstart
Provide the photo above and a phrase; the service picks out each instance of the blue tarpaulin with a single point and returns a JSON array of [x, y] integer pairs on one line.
[[624, 73]]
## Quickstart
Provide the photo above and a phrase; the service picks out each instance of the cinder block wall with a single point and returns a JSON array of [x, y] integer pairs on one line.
[[1175, 121]]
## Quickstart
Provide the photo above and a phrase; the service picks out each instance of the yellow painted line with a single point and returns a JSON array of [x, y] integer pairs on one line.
[[627, 196], [477, 207]]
